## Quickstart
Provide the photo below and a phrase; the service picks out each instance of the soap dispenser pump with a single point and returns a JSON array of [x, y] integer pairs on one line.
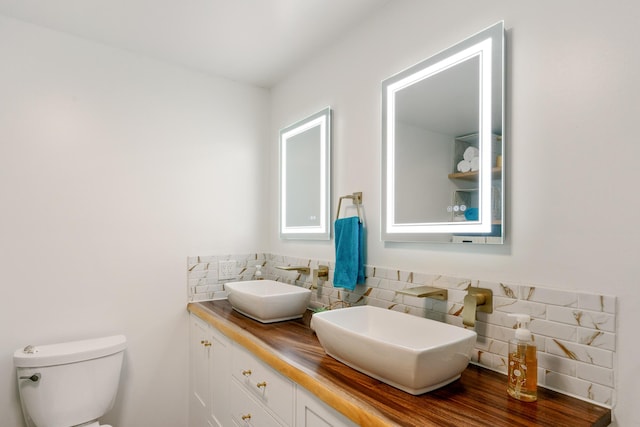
[[523, 362]]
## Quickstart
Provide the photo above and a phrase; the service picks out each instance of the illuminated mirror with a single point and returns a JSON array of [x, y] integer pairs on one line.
[[305, 149], [442, 145]]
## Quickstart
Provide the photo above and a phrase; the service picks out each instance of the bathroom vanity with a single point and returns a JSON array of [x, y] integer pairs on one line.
[[230, 386], [278, 375]]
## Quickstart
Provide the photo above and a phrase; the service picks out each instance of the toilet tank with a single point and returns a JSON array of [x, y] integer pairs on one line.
[[71, 383]]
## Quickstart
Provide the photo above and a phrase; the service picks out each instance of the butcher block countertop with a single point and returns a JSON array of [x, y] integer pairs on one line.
[[478, 398]]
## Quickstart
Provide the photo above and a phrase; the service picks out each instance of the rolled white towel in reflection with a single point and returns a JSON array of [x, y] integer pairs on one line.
[[475, 163], [470, 153], [464, 166]]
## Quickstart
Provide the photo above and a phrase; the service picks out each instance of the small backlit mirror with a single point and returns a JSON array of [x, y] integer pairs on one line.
[[305, 153]]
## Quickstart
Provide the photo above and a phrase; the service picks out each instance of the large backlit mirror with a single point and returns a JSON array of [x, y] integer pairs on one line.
[[305, 153], [442, 145]]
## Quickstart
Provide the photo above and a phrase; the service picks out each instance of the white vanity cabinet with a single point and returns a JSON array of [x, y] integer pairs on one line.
[[311, 412], [246, 411], [230, 387], [259, 383], [209, 371]]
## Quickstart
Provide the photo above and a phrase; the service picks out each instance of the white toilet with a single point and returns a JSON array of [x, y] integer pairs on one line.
[[69, 384]]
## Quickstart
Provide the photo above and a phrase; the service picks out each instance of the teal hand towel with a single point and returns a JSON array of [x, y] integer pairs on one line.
[[349, 239]]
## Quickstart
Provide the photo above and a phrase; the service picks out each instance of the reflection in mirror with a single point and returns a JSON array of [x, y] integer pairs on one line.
[[305, 178], [442, 127]]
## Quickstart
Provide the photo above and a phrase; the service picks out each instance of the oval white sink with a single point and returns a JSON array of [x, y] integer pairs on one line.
[[411, 353], [268, 301]]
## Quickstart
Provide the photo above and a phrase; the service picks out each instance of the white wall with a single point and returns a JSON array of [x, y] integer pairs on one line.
[[572, 113], [113, 169]]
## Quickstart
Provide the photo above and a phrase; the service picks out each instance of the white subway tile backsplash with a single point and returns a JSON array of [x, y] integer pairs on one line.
[[500, 318], [578, 387], [582, 353], [494, 346], [508, 290], [378, 303], [584, 318], [490, 360], [599, 339], [374, 282], [384, 294], [456, 296], [509, 305], [396, 285], [495, 332], [555, 330], [549, 296], [561, 365], [593, 302], [494, 286], [575, 332], [595, 374], [420, 279]]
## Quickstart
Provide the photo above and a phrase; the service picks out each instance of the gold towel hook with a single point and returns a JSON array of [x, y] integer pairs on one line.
[[357, 200]]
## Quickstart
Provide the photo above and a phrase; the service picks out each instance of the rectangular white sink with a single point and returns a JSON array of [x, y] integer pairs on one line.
[[411, 353], [268, 301]]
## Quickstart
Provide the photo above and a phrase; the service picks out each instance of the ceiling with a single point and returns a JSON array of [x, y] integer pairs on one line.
[[251, 41]]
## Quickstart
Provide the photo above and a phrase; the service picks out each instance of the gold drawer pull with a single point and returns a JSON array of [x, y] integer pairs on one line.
[[207, 344], [262, 384], [247, 373], [246, 417]]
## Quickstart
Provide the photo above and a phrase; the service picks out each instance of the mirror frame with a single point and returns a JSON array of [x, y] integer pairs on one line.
[[322, 120], [488, 46]]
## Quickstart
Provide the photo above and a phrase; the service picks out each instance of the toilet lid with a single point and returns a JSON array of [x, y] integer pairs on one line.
[[69, 352]]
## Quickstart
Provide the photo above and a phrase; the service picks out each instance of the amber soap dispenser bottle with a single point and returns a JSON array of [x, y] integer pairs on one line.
[[523, 362]]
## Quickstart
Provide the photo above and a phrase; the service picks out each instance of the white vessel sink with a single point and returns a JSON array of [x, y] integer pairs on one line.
[[411, 353], [268, 301]]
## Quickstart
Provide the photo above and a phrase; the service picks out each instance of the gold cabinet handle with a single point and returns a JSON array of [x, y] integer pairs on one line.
[[262, 384], [246, 373], [246, 417], [205, 343]]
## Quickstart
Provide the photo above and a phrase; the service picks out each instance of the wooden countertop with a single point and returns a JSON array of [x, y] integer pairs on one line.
[[478, 398]]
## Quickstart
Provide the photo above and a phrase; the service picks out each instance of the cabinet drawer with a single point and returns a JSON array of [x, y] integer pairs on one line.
[[245, 411], [311, 412], [266, 385]]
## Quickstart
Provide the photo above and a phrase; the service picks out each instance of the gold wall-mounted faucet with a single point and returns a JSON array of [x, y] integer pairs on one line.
[[301, 269], [426, 292], [477, 299]]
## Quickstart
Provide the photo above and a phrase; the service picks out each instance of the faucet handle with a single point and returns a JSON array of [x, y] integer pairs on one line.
[[30, 349], [321, 271], [477, 299], [469, 310]]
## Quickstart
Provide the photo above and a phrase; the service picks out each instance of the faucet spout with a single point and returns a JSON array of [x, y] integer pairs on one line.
[[301, 269], [426, 292]]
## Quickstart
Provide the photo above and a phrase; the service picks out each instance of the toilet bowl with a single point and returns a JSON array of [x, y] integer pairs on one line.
[[70, 384]]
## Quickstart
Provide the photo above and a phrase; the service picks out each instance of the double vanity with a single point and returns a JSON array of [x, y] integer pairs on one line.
[[244, 372], [261, 359]]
